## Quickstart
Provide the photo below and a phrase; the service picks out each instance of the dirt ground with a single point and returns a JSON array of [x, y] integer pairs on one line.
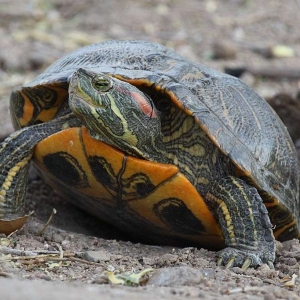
[[239, 36]]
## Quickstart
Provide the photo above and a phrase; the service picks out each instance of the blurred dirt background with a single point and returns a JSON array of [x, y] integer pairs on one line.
[[259, 41]]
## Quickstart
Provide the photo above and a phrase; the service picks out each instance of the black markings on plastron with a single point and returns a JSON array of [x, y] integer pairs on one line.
[[66, 168], [137, 186], [103, 172], [178, 216], [134, 187]]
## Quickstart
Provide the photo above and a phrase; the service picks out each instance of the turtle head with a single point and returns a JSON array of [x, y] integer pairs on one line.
[[116, 112]]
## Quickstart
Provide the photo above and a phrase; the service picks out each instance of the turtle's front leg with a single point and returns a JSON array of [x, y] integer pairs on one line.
[[244, 221], [15, 155]]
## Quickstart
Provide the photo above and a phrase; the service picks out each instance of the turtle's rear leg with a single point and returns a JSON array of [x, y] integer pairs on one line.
[[244, 221]]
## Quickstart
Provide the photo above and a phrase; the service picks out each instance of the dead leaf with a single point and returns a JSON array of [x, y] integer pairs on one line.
[[127, 279], [9, 226], [113, 279], [282, 51], [291, 282], [52, 265], [134, 278], [5, 242]]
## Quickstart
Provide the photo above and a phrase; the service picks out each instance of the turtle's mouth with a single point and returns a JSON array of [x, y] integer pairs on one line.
[[79, 103]]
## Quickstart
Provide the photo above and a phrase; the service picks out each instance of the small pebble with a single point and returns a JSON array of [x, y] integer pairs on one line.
[[97, 256], [179, 276], [57, 238], [224, 50], [65, 244]]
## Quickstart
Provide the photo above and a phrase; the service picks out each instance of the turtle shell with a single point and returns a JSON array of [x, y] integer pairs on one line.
[[239, 122]]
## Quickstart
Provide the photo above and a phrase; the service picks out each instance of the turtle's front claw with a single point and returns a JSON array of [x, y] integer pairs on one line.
[[220, 261], [230, 263], [270, 264], [246, 264]]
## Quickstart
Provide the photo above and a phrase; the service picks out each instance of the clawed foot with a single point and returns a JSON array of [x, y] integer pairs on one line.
[[232, 257]]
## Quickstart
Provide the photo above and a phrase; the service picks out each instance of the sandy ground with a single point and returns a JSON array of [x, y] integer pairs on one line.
[[231, 34]]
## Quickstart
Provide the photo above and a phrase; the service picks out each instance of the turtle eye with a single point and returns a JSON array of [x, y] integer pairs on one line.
[[102, 83]]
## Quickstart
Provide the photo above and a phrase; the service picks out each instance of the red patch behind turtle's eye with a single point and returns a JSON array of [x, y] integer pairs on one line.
[[144, 105]]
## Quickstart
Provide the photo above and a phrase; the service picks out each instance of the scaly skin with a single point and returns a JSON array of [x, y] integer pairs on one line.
[[244, 221], [15, 156]]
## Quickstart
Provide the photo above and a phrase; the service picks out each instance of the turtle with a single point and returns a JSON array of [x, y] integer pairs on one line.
[[164, 148]]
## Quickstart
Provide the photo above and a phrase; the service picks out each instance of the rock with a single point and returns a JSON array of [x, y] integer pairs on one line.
[[97, 256], [179, 276], [167, 260], [224, 50], [291, 245], [57, 238]]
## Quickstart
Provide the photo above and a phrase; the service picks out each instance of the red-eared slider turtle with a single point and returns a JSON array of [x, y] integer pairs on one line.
[[159, 146]]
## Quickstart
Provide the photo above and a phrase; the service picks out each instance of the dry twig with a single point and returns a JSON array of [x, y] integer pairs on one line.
[[48, 222], [44, 258], [7, 250], [5, 274]]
